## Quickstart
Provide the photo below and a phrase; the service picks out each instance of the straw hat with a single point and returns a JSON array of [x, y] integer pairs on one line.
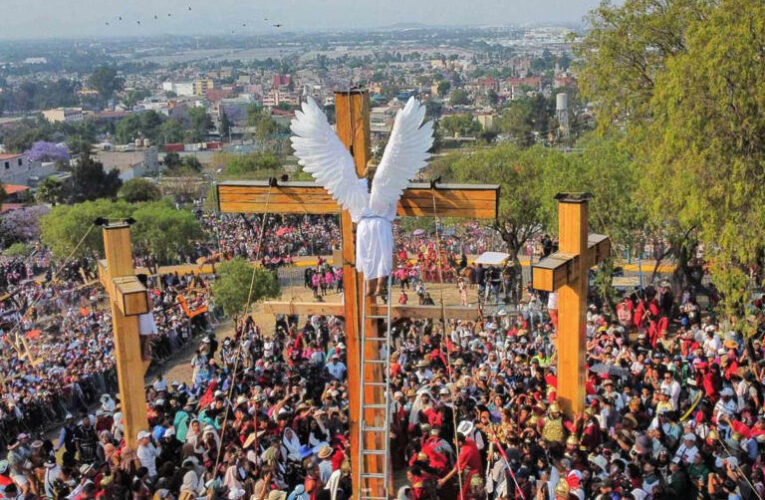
[[325, 452]]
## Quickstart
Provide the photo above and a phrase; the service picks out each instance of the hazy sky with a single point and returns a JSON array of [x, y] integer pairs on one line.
[[73, 18]]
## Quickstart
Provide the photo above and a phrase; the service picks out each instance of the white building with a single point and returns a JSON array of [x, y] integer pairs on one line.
[[64, 115], [183, 89], [17, 169]]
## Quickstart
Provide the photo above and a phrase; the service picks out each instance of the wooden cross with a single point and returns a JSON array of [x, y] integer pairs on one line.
[[565, 272], [470, 201], [128, 300]]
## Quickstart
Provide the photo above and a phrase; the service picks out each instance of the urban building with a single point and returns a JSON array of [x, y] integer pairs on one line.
[[63, 115]]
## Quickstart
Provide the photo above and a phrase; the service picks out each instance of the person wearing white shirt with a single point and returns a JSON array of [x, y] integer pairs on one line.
[[687, 450], [147, 453]]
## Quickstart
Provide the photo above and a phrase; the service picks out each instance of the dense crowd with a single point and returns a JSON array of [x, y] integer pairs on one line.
[[674, 410], [57, 345]]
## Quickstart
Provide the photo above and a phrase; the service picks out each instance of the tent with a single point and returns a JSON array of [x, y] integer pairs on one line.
[[492, 258]]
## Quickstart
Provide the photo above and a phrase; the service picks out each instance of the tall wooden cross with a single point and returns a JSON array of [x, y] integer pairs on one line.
[[128, 300], [565, 272], [470, 201]]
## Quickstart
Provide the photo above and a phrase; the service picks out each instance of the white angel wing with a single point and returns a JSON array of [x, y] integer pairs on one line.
[[404, 156], [321, 153]]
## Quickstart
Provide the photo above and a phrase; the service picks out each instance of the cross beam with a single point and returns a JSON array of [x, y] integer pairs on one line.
[[565, 272], [451, 200], [128, 300], [398, 311]]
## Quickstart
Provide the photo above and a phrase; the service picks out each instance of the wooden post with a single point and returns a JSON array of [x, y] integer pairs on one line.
[[352, 112], [130, 365], [572, 306]]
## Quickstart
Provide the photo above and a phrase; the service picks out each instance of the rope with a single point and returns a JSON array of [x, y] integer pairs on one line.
[[239, 348], [741, 473], [14, 330], [444, 341]]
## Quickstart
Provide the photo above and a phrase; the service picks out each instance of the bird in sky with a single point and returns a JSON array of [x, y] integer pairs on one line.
[[278, 25], [120, 18], [156, 17], [321, 154], [107, 23], [189, 7], [139, 22]]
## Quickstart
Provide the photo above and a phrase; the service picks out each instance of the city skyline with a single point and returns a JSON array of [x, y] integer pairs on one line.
[[35, 19]]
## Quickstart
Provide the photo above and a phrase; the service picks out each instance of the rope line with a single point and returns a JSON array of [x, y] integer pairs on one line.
[[239, 348], [444, 342]]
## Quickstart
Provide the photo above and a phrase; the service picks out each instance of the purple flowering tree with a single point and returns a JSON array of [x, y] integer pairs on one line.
[[48, 151], [22, 225]]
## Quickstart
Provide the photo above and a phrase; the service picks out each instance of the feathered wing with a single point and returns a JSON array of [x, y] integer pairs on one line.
[[404, 156], [321, 153]]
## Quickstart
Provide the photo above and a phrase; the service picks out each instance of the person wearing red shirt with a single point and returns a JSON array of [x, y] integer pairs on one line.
[[468, 462]]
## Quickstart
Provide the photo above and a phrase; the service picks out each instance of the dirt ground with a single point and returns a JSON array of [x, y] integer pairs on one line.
[[179, 367]]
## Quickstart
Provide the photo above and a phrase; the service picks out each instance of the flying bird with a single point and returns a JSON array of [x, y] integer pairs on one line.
[[169, 14], [321, 153], [278, 25], [189, 7], [120, 18], [156, 17]]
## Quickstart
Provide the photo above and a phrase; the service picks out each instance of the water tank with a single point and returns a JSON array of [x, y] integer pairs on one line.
[[146, 143], [561, 102], [138, 143]]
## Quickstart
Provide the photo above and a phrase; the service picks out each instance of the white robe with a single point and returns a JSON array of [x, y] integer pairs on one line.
[[374, 243]]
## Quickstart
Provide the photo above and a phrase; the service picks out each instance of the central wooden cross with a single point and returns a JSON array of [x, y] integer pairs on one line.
[[565, 272], [469, 201]]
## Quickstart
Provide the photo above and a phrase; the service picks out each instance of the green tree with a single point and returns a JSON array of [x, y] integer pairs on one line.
[[236, 278], [128, 129], [51, 190], [89, 180], [685, 80], [225, 126], [443, 88], [18, 249], [171, 132], [201, 123], [459, 97], [463, 125], [65, 225], [139, 190], [164, 231], [105, 80], [519, 174]]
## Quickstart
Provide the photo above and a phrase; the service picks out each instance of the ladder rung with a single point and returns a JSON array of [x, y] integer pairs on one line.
[[365, 497], [375, 406], [374, 429], [377, 384], [378, 339], [372, 475], [375, 361], [374, 452], [376, 316]]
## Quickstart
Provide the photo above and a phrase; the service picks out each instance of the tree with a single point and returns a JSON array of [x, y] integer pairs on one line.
[[105, 80], [443, 88], [89, 180], [235, 280], [225, 126], [21, 225], [48, 151], [459, 97], [519, 174], [201, 123], [51, 190], [165, 232], [18, 250], [171, 132], [463, 125], [252, 166], [66, 226], [685, 80], [139, 190]]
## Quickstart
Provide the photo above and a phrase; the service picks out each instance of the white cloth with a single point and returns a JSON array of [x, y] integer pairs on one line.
[[374, 243], [148, 456]]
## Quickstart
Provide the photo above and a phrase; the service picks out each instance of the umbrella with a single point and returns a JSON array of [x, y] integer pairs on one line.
[[283, 231], [33, 334], [418, 232]]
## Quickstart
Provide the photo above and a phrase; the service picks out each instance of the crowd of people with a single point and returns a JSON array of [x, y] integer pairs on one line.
[[57, 347]]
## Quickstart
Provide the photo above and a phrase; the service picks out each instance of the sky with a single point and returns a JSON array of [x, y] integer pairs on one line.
[[79, 18]]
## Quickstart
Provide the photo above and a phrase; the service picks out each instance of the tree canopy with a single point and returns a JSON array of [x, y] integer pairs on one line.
[[232, 288], [139, 190], [685, 81]]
